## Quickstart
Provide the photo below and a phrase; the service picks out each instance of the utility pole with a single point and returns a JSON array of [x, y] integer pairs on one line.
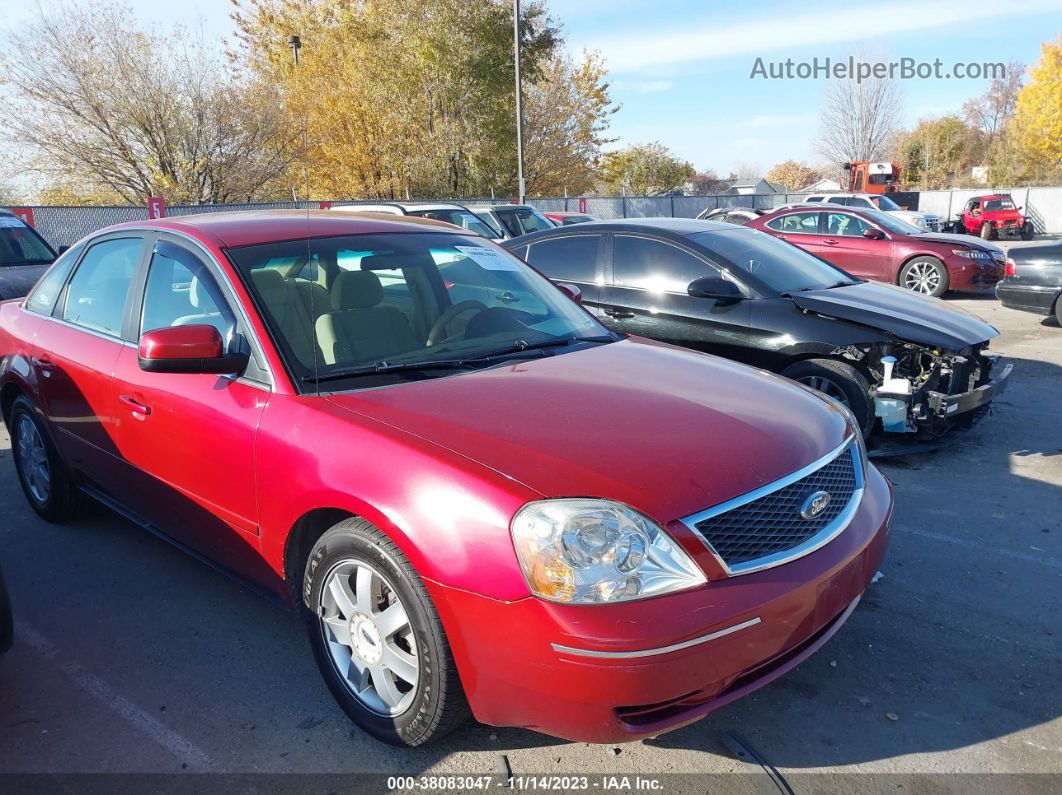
[[519, 103]]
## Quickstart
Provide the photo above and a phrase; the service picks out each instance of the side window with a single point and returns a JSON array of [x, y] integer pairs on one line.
[[653, 265], [573, 258], [96, 296], [845, 225], [800, 223], [813, 199], [520, 252], [512, 223], [859, 181], [43, 297], [838, 200], [859, 201], [533, 222], [181, 292]]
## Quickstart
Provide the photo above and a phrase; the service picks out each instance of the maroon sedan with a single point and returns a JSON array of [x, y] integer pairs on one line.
[[872, 244], [480, 500]]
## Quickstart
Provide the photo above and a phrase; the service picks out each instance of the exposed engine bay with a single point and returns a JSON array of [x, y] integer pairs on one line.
[[924, 390]]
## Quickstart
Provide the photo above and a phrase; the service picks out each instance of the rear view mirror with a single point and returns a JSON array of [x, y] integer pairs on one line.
[[571, 291], [188, 349], [873, 234], [723, 291]]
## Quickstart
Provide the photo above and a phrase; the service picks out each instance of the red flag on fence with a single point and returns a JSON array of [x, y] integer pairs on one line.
[[156, 207], [324, 205], [25, 213], [582, 204]]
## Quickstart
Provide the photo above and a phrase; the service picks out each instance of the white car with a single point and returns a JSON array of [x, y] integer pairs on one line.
[[879, 201], [450, 213], [513, 220]]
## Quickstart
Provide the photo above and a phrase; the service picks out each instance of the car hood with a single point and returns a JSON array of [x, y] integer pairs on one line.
[[911, 216], [17, 280], [967, 241], [899, 312], [665, 430]]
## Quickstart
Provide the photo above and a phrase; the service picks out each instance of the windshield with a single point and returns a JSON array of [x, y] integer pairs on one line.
[[885, 203], [890, 223], [372, 301], [462, 218], [995, 205], [777, 265], [20, 245]]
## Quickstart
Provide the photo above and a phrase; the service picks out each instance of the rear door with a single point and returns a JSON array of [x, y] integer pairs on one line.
[[645, 294], [577, 258], [845, 247], [800, 228]]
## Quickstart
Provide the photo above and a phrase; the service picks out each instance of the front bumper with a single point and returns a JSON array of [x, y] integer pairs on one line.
[[951, 406], [615, 673], [971, 275]]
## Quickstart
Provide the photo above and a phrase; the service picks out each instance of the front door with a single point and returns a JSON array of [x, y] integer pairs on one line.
[[190, 438], [845, 246], [802, 229]]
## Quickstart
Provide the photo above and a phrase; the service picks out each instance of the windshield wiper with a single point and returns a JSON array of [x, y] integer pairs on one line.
[[523, 345]]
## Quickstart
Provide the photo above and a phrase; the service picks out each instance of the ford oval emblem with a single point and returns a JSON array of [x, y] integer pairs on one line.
[[814, 504]]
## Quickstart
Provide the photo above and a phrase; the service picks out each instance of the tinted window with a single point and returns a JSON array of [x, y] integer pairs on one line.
[[803, 223], [512, 223], [838, 200], [97, 292], [533, 221], [573, 258], [845, 225], [45, 294], [181, 292], [20, 245], [653, 265]]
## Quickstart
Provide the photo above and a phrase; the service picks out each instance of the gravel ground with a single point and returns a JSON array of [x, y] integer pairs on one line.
[[132, 657]]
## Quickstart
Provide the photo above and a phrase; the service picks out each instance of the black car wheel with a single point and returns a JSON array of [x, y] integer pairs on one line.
[[377, 638], [926, 276], [1027, 231], [987, 231], [45, 480], [840, 381]]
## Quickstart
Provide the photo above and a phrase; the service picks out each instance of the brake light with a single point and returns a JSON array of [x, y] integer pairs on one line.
[[1012, 267]]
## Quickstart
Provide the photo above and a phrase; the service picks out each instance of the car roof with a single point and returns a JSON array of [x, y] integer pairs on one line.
[[364, 207], [230, 229], [665, 227]]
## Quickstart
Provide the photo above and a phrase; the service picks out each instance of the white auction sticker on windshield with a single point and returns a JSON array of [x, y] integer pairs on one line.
[[488, 258], [10, 220]]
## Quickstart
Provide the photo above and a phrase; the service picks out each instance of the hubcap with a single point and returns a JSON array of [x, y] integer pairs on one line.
[[922, 277], [33, 460], [369, 637], [826, 386]]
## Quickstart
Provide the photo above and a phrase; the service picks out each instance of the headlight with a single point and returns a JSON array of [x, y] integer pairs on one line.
[[587, 551], [970, 253]]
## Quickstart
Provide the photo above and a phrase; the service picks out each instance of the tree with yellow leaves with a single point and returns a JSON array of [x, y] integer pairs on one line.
[[1037, 123]]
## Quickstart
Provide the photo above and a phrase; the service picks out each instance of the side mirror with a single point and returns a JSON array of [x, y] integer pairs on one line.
[[188, 349], [1020, 207], [571, 291], [873, 234], [723, 291]]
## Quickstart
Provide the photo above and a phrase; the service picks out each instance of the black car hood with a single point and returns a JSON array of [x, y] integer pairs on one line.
[[17, 280], [969, 241], [901, 313]]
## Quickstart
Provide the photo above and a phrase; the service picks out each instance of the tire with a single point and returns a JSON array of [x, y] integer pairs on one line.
[[925, 276], [1058, 310], [840, 381], [987, 232], [45, 480], [1027, 231], [354, 575]]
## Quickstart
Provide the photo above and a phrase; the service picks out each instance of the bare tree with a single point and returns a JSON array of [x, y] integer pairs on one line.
[[107, 106], [989, 112], [858, 120]]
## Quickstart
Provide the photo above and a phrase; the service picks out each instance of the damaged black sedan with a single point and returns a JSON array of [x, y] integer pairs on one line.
[[903, 363]]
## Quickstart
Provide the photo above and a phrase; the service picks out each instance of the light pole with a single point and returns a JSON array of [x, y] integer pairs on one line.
[[519, 103]]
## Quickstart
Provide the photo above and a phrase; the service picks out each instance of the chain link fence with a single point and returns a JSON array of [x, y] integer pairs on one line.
[[64, 226]]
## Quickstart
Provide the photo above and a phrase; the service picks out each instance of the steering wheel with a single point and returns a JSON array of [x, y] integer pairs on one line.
[[451, 312]]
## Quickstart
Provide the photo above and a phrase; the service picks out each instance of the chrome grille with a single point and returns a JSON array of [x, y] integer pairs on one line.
[[766, 527]]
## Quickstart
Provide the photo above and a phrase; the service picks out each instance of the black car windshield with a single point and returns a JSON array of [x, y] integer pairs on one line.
[[20, 245], [386, 302], [777, 265], [890, 223], [463, 218], [995, 205]]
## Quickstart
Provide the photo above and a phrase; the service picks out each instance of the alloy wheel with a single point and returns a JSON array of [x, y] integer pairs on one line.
[[369, 637], [922, 277], [33, 459], [826, 386]]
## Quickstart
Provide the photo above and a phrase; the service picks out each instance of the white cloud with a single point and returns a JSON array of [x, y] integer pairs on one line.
[[783, 31]]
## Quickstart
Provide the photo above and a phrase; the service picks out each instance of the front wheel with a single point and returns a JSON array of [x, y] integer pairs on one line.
[[840, 381], [1027, 231], [925, 275], [987, 232], [45, 480], [377, 638]]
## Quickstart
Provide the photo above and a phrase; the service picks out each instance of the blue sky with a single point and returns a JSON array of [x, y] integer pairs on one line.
[[681, 68]]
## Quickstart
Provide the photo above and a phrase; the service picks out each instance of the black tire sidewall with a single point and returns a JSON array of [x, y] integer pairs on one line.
[[355, 540], [62, 492], [854, 385], [986, 231], [945, 277]]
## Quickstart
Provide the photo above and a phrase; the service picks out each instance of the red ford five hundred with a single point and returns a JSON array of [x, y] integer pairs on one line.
[[481, 501]]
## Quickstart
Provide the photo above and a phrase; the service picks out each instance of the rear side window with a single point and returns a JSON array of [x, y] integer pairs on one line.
[[572, 258], [655, 265], [44, 295], [512, 223], [96, 296], [181, 292], [802, 223]]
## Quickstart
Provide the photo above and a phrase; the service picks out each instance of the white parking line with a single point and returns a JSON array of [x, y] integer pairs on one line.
[[965, 542], [186, 751]]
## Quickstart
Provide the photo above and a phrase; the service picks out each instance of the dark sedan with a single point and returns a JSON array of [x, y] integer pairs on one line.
[[917, 363], [1033, 281], [24, 256]]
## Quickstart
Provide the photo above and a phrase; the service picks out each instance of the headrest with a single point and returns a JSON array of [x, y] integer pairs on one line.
[[271, 286], [357, 290]]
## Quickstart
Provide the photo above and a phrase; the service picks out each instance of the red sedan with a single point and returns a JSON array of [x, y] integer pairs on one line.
[[875, 245], [480, 500]]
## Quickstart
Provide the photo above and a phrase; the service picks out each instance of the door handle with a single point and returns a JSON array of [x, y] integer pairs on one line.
[[831, 242], [618, 314], [134, 405]]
